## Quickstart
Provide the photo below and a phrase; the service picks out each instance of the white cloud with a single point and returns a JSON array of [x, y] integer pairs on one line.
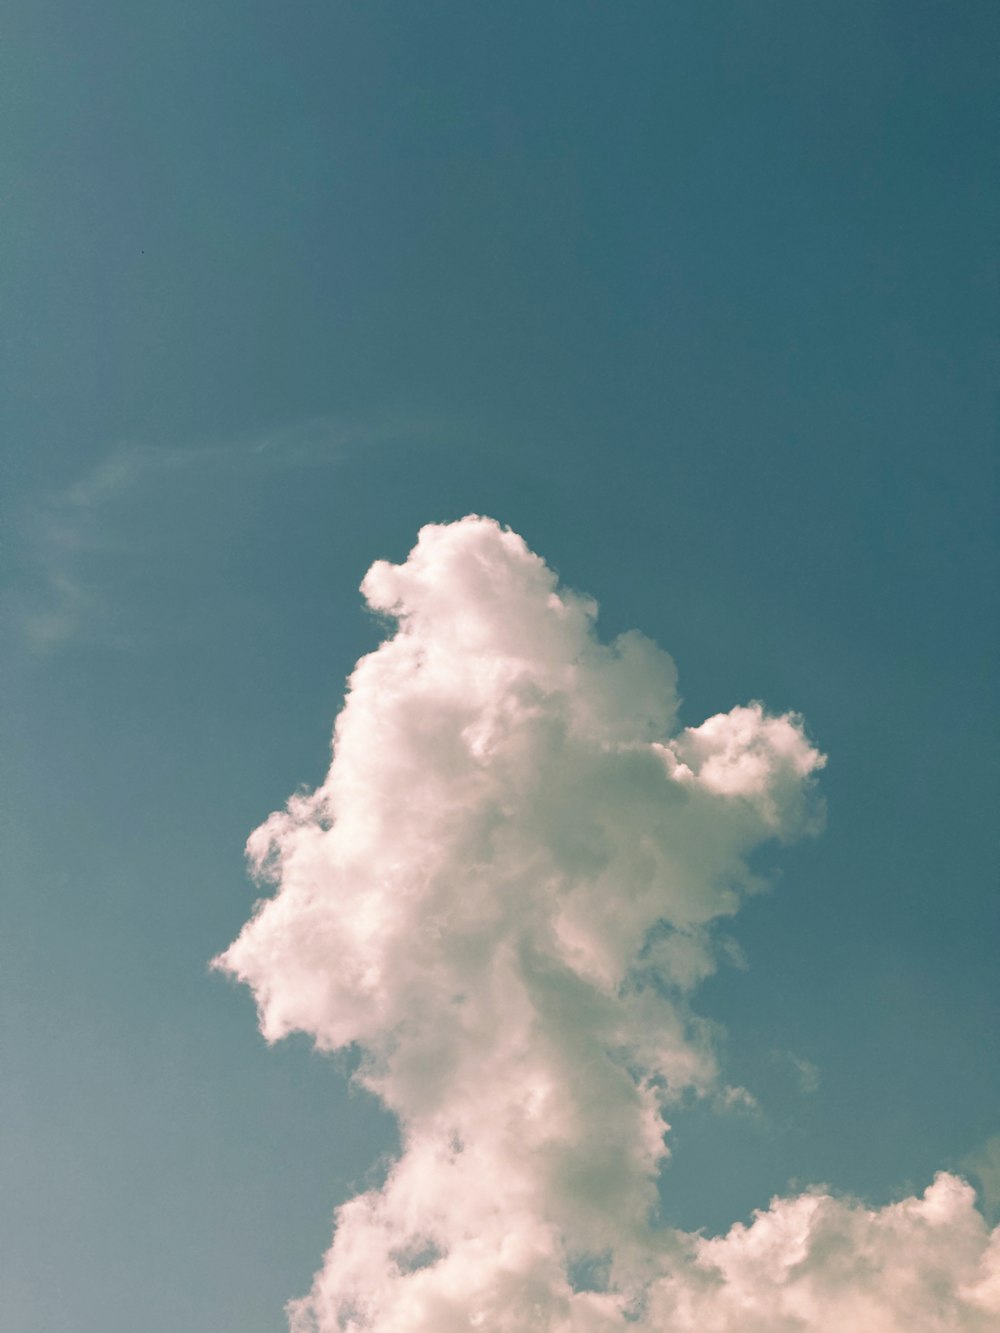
[[503, 894], [821, 1264]]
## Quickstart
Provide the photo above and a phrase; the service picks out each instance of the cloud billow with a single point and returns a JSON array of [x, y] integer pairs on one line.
[[503, 895]]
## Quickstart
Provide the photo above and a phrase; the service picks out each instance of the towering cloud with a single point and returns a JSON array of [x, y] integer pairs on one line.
[[503, 895]]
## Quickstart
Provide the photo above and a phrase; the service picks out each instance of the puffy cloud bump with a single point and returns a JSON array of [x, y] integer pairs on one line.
[[502, 895]]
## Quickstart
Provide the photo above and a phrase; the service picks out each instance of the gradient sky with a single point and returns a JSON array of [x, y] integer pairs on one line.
[[698, 298]]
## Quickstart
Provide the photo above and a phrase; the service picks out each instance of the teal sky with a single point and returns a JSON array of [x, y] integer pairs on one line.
[[698, 298]]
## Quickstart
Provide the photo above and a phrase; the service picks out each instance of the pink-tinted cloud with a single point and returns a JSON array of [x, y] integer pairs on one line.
[[503, 893]]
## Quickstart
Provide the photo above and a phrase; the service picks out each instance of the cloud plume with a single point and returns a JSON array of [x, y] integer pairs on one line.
[[503, 895]]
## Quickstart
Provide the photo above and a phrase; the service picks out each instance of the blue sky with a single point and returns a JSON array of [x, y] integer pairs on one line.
[[698, 299]]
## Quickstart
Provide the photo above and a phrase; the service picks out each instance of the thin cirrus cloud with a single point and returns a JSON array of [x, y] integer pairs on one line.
[[503, 894], [77, 541]]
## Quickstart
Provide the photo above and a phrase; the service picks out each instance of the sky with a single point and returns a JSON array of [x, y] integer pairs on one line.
[[697, 302]]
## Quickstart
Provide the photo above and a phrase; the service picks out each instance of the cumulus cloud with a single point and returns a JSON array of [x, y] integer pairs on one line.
[[822, 1265], [503, 896]]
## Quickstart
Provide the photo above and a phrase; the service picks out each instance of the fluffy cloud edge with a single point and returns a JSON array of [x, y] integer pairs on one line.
[[504, 894]]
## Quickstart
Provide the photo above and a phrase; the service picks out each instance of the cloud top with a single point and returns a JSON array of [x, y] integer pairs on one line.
[[502, 895]]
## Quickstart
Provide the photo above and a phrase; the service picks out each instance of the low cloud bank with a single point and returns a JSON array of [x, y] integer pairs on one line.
[[503, 895]]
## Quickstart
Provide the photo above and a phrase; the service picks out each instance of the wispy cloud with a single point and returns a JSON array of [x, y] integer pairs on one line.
[[984, 1167], [805, 1073], [74, 541]]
